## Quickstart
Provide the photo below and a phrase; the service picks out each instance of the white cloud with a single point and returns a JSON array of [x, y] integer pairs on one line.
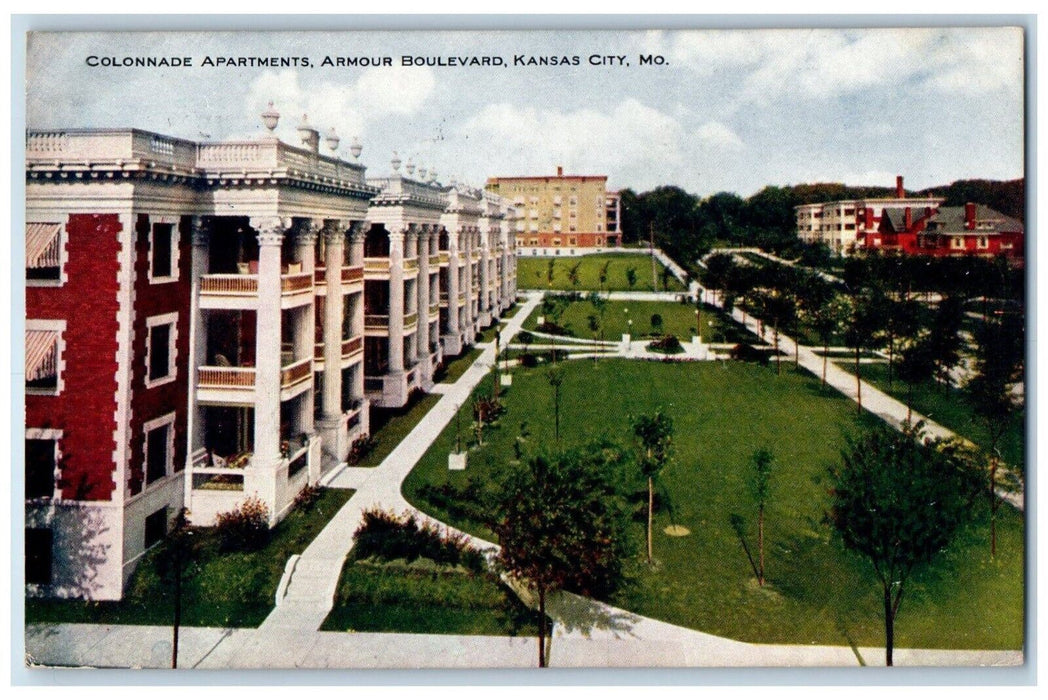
[[714, 134], [830, 63], [631, 137]]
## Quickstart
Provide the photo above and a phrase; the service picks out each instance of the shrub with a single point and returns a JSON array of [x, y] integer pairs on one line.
[[748, 353], [525, 337], [528, 360], [384, 535], [489, 408], [245, 528], [360, 449], [308, 496], [666, 344], [553, 329]]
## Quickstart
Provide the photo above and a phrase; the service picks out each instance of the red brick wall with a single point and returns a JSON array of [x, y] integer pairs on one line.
[[154, 300], [582, 240], [85, 409]]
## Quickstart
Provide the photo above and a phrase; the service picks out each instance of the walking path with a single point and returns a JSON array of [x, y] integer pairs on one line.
[[587, 633]]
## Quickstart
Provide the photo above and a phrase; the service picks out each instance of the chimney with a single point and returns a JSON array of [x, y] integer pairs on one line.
[[969, 216], [900, 193], [909, 218], [560, 171]]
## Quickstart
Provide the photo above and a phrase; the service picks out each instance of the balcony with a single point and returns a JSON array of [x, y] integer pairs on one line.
[[443, 258], [376, 324], [235, 386], [352, 347], [436, 260], [410, 321], [352, 275], [376, 268], [411, 265], [240, 291]]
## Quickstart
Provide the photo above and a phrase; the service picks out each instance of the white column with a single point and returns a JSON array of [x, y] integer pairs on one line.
[[452, 332], [467, 284], [396, 302], [196, 427], [305, 317], [331, 397], [422, 304], [411, 246], [267, 460], [485, 277]]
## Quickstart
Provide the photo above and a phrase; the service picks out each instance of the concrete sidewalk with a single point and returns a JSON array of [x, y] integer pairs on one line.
[[633, 643]]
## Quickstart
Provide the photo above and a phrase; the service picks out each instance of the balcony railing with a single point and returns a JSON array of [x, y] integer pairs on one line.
[[376, 321], [351, 345], [435, 260], [226, 377], [376, 264], [410, 320], [296, 372], [411, 264], [352, 274], [443, 258], [296, 282], [319, 275], [237, 285], [318, 352]]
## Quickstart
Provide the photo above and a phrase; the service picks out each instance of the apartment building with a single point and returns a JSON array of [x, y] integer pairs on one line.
[[211, 321], [561, 214], [842, 225]]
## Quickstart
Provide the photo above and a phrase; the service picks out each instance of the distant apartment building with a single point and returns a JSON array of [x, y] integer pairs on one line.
[[973, 229], [206, 322], [842, 225], [562, 214]]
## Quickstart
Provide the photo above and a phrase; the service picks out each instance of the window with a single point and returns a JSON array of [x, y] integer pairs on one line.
[[984, 242], [159, 447], [572, 241], [38, 555], [160, 349], [41, 460], [163, 253], [44, 349], [156, 527], [44, 254], [956, 242]]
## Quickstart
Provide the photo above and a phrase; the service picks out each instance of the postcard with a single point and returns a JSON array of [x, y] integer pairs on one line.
[[485, 349]]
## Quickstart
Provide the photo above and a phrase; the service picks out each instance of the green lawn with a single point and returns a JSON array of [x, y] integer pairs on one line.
[[389, 426], [425, 599], [532, 273], [817, 592], [677, 319], [219, 590], [951, 409], [454, 369]]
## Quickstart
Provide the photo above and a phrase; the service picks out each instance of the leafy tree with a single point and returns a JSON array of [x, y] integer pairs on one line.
[[899, 501], [550, 269], [917, 365], [602, 275], [823, 310], [654, 436], [760, 486], [656, 324], [573, 274], [564, 526], [862, 327], [555, 377], [901, 320], [999, 365], [631, 276], [944, 337]]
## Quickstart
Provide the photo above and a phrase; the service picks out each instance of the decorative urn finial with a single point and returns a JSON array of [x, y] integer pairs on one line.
[[332, 140], [270, 118], [395, 162], [355, 148]]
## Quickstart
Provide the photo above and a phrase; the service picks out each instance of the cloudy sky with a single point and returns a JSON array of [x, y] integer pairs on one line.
[[728, 110]]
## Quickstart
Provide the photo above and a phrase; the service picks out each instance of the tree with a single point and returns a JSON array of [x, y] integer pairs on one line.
[[656, 324], [178, 553], [555, 377], [602, 275], [654, 436], [944, 337], [631, 276], [916, 365], [862, 326], [999, 365], [898, 501], [564, 526], [822, 309], [573, 274], [550, 268], [760, 483]]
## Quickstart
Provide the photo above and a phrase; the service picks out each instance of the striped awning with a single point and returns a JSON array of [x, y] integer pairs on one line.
[[41, 354], [42, 243]]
